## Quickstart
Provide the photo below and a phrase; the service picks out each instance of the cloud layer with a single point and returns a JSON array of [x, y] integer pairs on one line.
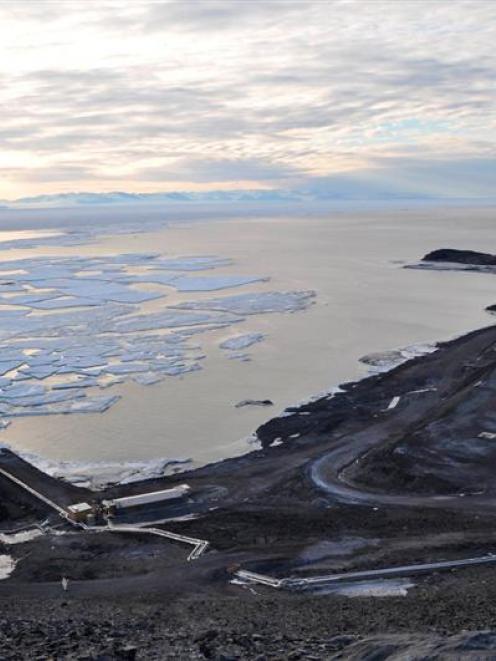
[[260, 94]]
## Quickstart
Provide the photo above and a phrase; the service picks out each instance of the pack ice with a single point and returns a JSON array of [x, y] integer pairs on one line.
[[71, 326]]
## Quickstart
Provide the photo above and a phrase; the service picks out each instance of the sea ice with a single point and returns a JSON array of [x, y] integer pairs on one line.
[[17, 390], [126, 368], [9, 365], [96, 404], [168, 319], [254, 303], [213, 282], [39, 372], [194, 263], [148, 379], [9, 286], [64, 302], [176, 370], [80, 382], [238, 342], [42, 399], [82, 316], [28, 299], [242, 357]]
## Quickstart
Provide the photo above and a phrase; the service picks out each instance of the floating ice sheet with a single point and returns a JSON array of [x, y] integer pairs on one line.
[[98, 404], [254, 303], [238, 342], [192, 263], [148, 379], [213, 282], [242, 357], [80, 382], [168, 319]]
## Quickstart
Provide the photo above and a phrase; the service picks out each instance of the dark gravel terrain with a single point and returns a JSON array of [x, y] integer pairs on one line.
[[259, 626]]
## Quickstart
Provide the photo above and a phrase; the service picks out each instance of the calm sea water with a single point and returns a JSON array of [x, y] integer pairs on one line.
[[365, 303]]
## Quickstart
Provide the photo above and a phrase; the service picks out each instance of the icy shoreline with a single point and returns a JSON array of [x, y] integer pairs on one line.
[[99, 475]]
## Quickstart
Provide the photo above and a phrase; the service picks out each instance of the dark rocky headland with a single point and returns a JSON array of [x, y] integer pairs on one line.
[[461, 257]]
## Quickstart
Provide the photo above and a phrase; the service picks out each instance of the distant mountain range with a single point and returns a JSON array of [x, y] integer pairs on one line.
[[234, 196], [120, 197]]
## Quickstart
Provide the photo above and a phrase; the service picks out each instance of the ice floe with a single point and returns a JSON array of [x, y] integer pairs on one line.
[[148, 379], [59, 402], [167, 319], [238, 342], [242, 357], [192, 263], [254, 303], [214, 282]]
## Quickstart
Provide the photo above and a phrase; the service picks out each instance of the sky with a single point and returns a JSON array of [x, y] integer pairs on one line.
[[202, 95]]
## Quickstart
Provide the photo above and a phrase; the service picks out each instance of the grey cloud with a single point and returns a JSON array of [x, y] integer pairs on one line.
[[451, 178], [40, 10], [218, 14], [403, 177], [223, 169], [184, 169], [52, 173], [307, 81]]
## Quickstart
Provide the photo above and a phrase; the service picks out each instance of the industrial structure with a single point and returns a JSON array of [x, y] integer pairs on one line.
[[81, 513], [112, 507], [91, 513]]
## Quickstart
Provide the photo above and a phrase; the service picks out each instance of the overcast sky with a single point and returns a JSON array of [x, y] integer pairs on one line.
[[222, 94]]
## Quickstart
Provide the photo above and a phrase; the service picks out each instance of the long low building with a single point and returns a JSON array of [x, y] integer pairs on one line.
[[127, 502]]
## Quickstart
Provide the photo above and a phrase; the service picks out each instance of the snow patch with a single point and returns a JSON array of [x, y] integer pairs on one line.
[[20, 537], [7, 566], [388, 360]]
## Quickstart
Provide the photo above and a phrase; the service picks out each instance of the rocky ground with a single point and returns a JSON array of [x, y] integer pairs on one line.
[[433, 619]]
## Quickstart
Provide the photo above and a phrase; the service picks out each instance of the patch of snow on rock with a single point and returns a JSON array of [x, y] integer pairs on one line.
[[7, 566], [387, 360]]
